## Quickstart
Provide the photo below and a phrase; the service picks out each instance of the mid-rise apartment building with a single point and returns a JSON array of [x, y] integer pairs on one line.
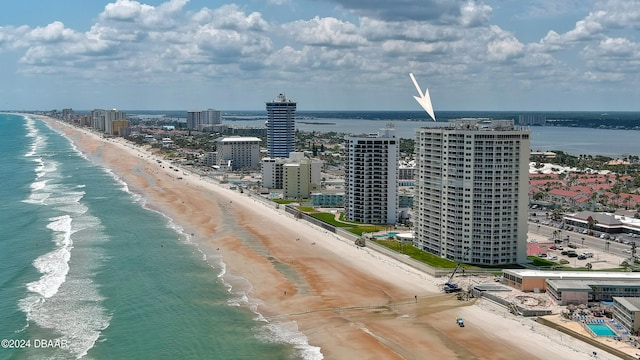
[[238, 152], [296, 175]]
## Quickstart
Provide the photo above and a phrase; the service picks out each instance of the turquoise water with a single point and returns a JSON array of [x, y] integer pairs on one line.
[[84, 263], [389, 234], [601, 330]]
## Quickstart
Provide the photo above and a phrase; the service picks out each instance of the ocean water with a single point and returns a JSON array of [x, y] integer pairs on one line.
[[88, 271]]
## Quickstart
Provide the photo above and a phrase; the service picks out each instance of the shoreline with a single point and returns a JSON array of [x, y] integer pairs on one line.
[[349, 302]]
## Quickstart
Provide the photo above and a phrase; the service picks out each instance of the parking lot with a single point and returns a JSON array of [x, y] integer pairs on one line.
[[598, 258]]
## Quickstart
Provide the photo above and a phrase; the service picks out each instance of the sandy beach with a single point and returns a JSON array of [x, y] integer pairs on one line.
[[352, 303]]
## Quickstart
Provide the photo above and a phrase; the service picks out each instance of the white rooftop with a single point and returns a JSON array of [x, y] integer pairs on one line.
[[574, 275], [240, 138]]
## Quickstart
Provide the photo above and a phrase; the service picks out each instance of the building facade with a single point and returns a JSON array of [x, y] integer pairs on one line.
[[238, 152], [281, 127], [371, 178], [296, 175], [210, 117], [203, 119], [471, 191], [532, 119], [300, 178], [102, 120], [626, 311], [193, 119]]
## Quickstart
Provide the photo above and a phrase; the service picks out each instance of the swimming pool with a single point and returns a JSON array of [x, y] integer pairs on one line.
[[601, 330], [387, 235]]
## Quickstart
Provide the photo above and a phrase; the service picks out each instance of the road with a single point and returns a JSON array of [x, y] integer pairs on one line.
[[583, 240]]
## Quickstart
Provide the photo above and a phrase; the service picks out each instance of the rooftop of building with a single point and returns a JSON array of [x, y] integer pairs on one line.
[[631, 303], [585, 284], [574, 275], [240, 138], [477, 124], [604, 219]]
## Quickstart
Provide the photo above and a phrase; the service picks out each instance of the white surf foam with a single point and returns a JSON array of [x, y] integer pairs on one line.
[[54, 265], [288, 333], [65, 298]]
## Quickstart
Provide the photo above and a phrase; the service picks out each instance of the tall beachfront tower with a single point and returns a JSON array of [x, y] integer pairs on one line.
[[371, 178], [472, 179], [281, 127]]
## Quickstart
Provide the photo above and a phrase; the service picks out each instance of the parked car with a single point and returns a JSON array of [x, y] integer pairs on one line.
[[582, 257], [559, 247], [565, 252], [573, 246], [587, 255], [553, 257], [572, 255], [542, 255]]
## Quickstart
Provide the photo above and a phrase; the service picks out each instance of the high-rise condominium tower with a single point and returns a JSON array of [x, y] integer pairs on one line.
[[472, 180], [371, 178], [281, 127]]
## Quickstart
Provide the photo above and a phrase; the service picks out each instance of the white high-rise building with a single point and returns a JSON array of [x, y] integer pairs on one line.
[[371, 178], [471, 191], [238, 152], [210, 117], [194, 119]]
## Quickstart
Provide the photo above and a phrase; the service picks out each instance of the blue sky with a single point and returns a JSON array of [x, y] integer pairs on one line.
[[324, 54]]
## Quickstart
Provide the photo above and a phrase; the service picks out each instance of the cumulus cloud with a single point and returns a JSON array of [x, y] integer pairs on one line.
[[124, 10], [325, 32], [453, 42], [503, 46], [233, 18], [474, 14], [54, 32], [131, 11]]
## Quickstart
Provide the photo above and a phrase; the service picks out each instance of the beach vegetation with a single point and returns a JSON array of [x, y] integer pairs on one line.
[[538, 261], [417, 254], [330, 219], [307, 209], [284, 201]]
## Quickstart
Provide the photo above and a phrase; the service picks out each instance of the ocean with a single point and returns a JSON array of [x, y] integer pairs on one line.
[[87, 271]]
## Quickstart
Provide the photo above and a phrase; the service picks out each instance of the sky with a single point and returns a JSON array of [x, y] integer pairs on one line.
[[510, 55]]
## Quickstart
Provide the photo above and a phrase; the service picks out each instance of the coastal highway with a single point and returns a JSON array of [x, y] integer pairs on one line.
[[591, 242]]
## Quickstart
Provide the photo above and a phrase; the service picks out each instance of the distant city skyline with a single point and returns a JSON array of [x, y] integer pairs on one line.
[[485, 55]]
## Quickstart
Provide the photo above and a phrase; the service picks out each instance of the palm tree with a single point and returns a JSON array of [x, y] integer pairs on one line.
[[591, 223]]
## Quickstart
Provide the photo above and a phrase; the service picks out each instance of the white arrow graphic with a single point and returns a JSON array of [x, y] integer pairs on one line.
[[424, 99]]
